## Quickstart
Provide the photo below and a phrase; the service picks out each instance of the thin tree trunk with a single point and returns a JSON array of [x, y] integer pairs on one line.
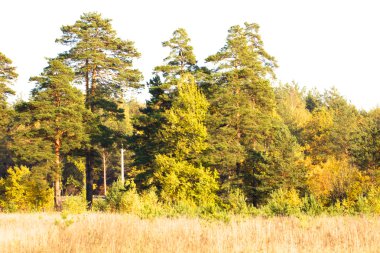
[[90, 153], [87, 80], [89, 176], [122, 164], [57, 177], [104, 172]]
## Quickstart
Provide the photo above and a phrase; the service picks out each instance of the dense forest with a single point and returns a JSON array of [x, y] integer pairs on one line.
[[218, 137]]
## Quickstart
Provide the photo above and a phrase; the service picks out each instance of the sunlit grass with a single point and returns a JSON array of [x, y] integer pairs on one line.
[[101, 232]]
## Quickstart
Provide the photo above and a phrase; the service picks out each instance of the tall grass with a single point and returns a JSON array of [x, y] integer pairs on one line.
[[101, 232]]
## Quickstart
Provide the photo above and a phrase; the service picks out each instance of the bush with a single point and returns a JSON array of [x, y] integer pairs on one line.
[[74, 204], [236, 202], [100, 205], [115, 195], [283, 203], [180, 180], [369, 204], [311, 206], [145, 205], [130, 202]]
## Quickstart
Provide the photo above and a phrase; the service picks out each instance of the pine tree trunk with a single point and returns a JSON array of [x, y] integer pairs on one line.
[[90, 153], [104, 172], [89, 176], [57, 177]]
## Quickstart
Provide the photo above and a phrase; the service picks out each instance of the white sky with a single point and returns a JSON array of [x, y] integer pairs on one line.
[[317, 43]]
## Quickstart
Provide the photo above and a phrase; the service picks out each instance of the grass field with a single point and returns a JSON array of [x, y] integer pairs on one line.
[[93, 232]]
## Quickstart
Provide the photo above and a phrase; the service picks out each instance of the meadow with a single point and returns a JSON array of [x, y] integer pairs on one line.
[[108, 232]]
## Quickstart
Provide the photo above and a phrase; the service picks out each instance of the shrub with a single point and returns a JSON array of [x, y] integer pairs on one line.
[[283, 203], [311, 206], [130, 202], [149, 205], [370, 203], [100, 205], [115, 195], [74, 204], [180, 180], [236, 202]]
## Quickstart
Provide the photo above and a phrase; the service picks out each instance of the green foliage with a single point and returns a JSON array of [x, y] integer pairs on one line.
[[147, 140], [180, 180], [237, 202], [114, 196], [7, 76], [329, 131], [100, 205], [184, 132], [56, 111], [103, 63], [74, 204], [311, 205], [119, 199], [209, 143], [365, 142], [283, 203], [291, 106], [369, 204], [250, 145], [181, 58]]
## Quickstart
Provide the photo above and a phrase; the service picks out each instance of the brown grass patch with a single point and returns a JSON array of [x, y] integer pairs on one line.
[[94, 232]]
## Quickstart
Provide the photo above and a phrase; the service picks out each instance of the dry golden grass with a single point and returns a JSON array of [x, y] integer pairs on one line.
[[93, 232]]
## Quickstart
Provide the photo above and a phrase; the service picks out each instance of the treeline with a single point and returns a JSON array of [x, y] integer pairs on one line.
[[209, 136]]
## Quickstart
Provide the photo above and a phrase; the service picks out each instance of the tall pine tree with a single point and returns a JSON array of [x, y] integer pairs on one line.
[[57, 109], [146, 142], [103, 63], [7, 77], [246, 134]]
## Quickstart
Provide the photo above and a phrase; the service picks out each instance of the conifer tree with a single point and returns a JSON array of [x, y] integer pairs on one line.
[[246, 134], [184, 137], [7, 77], [146, 142], [103, 63], [57, 110], [242, 100]]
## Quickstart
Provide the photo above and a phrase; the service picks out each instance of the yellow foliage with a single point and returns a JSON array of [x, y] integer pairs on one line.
[[23, 191], [336, 180]]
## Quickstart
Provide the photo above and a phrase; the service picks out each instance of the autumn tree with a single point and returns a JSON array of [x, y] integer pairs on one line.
[[103, 63]]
